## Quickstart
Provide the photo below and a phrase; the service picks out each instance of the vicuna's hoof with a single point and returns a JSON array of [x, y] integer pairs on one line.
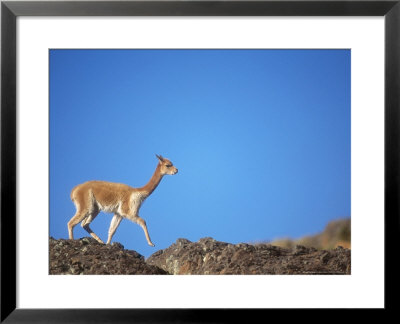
[[151, 244]]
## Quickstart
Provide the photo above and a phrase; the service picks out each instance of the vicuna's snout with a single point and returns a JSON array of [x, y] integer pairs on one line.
[[172, 170]]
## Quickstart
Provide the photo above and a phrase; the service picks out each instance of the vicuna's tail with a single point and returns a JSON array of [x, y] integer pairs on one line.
[[73, 193]]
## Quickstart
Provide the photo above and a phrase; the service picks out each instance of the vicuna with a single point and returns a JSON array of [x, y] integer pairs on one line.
[[124, 201]]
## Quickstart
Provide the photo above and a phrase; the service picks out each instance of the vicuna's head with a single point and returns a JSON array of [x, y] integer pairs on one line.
[[166, 166]]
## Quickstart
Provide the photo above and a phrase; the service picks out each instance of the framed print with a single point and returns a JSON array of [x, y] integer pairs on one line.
[[279, 115]]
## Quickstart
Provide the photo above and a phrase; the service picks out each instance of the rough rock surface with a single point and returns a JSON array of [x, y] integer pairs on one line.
[[87, 256], [208, 256]]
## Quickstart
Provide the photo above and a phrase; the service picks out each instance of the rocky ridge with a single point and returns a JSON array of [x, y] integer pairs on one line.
[[207, 256], [336, 233], [87, 256]]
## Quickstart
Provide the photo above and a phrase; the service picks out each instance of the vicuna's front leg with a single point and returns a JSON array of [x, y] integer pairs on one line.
[[142, 223], [113, 227]]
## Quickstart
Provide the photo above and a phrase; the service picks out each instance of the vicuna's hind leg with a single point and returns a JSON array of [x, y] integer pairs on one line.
[[113, 227], [76, 219], [142, 223], [85, 224]]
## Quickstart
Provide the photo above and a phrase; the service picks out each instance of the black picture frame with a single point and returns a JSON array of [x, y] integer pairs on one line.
[[10, 10]]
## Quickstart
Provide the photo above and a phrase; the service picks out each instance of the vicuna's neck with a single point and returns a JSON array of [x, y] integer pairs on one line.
[[154, 181]]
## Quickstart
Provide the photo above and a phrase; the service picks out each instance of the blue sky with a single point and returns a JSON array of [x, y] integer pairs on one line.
[[261, 139]]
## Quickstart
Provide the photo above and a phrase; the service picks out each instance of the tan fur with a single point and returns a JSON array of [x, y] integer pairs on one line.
[[124, 201]]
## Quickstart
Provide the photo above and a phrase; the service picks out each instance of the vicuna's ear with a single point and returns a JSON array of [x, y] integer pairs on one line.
[[160, 158]]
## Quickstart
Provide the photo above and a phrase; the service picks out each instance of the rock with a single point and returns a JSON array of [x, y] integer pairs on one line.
[[87, 256], [182, 241], [85, 240], [208, 256]]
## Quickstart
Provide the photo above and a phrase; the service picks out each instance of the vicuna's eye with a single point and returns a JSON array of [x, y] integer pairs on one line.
[[168, 165]]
